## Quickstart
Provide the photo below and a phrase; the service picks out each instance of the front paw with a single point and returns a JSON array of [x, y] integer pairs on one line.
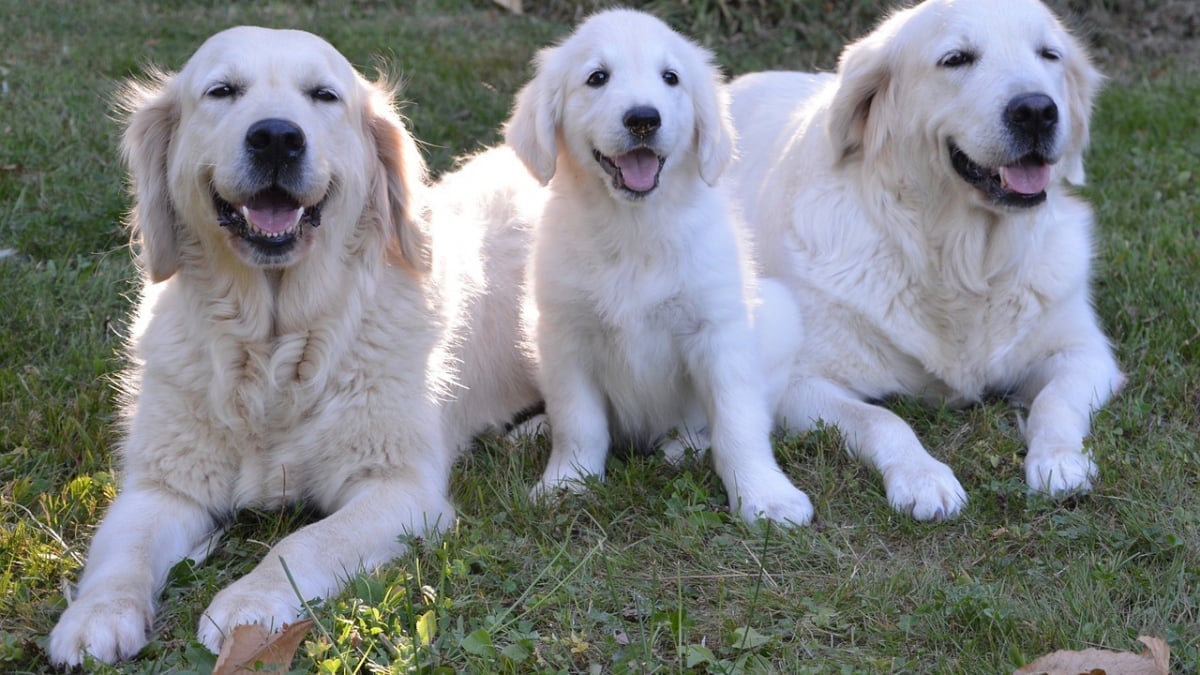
[[109, 629], [1059, 471], [562, 478], [685, 445], [244, 603], [772, 498], [926, 490], [550, 488]]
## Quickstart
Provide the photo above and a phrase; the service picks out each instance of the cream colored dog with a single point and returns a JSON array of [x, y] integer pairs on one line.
[[296, 337], [643, 283], [917, 205]]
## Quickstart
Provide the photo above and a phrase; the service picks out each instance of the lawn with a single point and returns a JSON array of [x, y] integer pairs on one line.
[[647, 572]]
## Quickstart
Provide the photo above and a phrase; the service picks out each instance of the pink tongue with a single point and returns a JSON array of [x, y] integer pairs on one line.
[[272, 212], [1025, 178], [639, 169]]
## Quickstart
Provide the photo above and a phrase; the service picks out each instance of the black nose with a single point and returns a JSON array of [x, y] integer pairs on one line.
[[642, 121], [1032, 116], [275, 142]]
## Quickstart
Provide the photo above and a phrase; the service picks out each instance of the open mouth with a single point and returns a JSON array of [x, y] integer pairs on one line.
[[271, 220], [635, 172], [1021, 184]]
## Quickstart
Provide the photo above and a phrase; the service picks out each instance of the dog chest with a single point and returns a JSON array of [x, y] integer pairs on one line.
[[636, 358], [967, 343]]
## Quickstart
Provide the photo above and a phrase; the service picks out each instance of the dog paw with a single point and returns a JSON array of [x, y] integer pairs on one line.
[[677, 451], [110, 630], [529, 430], [776, 500], [1060, 472], [926, 491], [241, 604], [549, 489]]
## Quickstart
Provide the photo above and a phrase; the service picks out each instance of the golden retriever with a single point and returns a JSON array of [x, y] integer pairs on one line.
[[642, 280], [917, 205], [298, 337]]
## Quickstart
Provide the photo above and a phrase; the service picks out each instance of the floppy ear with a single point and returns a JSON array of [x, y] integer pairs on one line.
[[151, 115], [864, 74], [532, 129], [1083, 84], [714, 128], [400, 180]]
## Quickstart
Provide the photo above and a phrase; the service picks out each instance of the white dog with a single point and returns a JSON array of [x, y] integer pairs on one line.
[[916, 204], [296, 338], [642, 283]]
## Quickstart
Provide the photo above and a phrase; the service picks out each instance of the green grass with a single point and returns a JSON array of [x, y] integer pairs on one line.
[[647, 572]]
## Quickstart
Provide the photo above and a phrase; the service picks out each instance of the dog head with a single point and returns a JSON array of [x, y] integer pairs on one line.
[[266, 146], [996, 95], [628, 101]]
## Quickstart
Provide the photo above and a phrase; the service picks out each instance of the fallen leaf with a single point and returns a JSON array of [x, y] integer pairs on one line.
[[253, 648], [1155, 659], [513, 6]]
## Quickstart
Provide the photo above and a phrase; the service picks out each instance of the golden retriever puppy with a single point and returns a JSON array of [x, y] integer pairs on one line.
[[642, 280], [296, 338], [916, 203]]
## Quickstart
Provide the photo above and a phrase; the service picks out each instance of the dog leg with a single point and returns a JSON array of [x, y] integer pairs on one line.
[[578, 431], [728, 379], [916, 483], [143, 535], [1066, 389], [361, 535], [780, 331]]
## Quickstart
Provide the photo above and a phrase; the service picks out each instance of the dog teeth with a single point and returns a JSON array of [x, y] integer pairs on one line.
[[253, 229]]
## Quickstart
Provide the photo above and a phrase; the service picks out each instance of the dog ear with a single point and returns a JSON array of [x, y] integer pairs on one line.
[[715, 136], [400, 180], [864, 73], [1083, 84], [532, 130], [151, 115]]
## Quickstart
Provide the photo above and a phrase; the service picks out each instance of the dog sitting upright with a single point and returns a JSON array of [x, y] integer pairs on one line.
[[643, 283]]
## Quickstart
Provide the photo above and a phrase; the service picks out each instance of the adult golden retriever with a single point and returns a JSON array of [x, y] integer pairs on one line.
[[642, 278], [917, 204], [298, 337]]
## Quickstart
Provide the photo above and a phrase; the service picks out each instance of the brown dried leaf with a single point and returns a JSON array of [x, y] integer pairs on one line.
[[513, 6], [1155, 659], [254, 649]]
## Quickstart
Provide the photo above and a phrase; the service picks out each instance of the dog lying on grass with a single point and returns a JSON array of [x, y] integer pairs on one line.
[[917, 205], [302, 334]]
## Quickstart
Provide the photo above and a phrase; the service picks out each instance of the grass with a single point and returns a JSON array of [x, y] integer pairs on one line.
[[647, 572]]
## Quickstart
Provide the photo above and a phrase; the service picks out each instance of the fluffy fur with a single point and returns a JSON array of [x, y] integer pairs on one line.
[[483, 216], [643, 285], [298, 337], [917, 205]]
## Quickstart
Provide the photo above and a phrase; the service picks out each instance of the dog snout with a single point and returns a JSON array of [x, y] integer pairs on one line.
[[275, 143], [642, 121], [1032, 116]]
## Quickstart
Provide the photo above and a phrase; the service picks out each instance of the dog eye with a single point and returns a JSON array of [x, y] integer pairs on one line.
[[670, 77], [1050, 54], [222, 90], [598, 78], [957, 59], [324, 95]]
